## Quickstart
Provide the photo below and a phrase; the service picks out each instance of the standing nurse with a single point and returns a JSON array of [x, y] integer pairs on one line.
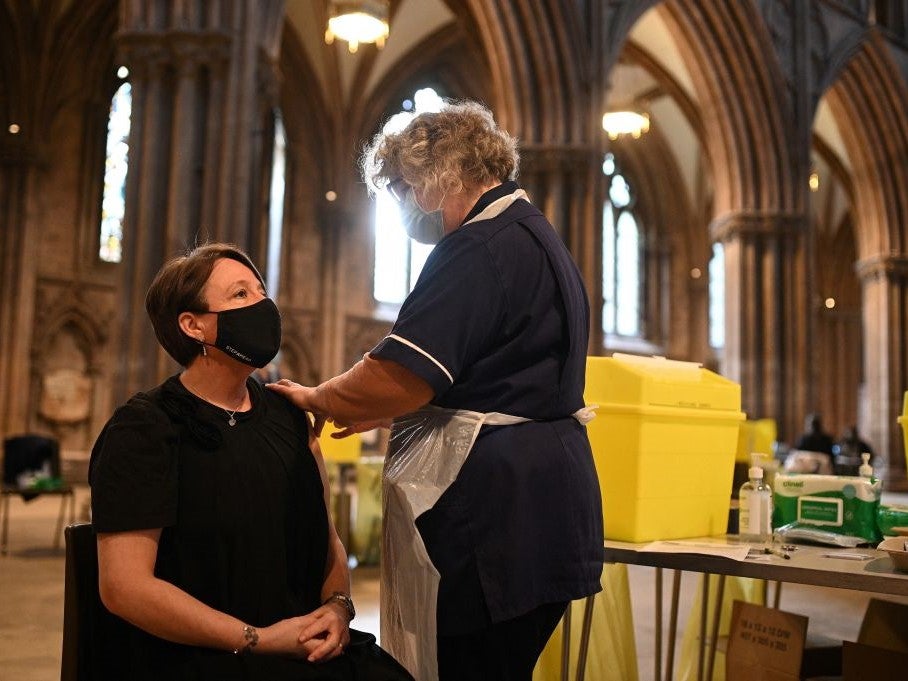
[[493, 520]]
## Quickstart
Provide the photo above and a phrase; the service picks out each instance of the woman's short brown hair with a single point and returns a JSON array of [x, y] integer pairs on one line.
[[178, 287], [459, 146]]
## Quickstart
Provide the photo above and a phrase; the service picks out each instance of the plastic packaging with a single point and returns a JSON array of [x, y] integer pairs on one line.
[[811, 533], [840, 504], [892, 520], [755, 498]]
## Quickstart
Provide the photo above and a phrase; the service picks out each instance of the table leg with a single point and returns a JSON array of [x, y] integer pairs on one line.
[[566, 644], [60, 516], [4, 540], [777, 598], [343, 520], [714, 637], [585, 637], [672, 626], [704, 608], [658, 631]]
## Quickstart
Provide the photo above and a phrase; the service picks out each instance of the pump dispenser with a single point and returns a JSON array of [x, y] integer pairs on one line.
[[866, 470], [755, 499]]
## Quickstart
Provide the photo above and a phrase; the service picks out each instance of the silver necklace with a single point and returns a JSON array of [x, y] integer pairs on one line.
[[231, 415]]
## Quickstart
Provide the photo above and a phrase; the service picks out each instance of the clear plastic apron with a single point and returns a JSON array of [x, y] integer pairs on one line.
[[427, 450]]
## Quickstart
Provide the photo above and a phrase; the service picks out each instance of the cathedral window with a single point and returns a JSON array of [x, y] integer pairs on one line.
[[115, 167], [399, 259], [276, 204], [717, 297], [622, 273]]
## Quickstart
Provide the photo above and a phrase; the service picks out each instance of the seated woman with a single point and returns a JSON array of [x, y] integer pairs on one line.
[[209, 498]]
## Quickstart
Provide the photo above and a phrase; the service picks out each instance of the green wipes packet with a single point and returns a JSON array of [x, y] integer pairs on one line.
[[840, 504]]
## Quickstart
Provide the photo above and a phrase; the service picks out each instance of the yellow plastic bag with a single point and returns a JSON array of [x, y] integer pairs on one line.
[[736, 588], [612, 653]]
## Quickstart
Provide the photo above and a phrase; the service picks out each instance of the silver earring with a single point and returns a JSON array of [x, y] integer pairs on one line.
[[204, 350]]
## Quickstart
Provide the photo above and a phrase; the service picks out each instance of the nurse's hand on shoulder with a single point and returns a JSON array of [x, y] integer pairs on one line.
[[301, 396]]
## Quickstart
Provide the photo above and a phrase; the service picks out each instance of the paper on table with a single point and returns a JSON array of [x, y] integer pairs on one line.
[[731, 551]]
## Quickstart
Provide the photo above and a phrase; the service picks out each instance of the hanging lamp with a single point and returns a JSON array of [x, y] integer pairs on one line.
[[358, 21], [625, 122]]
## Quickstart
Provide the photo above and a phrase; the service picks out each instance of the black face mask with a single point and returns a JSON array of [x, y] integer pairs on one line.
[[252, 334]]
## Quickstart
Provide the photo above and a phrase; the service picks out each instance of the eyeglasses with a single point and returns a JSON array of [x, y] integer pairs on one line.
[[397, 188]]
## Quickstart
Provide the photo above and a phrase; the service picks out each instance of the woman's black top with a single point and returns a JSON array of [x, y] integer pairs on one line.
[[242, 512]]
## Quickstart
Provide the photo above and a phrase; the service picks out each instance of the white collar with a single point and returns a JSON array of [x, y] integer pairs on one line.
[[497, 207]]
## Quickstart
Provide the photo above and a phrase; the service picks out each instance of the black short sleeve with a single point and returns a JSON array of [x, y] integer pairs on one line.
[[451, 316], [133, 471]]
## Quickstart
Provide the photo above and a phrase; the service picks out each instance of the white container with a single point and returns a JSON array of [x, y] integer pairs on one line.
[[755, 503]]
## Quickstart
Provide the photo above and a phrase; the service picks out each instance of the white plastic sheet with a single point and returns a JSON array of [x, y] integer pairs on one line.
[[426, 452]]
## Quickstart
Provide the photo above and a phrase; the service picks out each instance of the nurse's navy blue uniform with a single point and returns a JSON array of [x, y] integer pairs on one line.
[[499, 322]]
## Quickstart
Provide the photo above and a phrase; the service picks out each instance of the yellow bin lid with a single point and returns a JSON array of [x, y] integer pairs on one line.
[[658, 382]]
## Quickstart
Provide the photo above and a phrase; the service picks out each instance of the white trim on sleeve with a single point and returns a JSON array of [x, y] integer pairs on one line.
[[422, 352]]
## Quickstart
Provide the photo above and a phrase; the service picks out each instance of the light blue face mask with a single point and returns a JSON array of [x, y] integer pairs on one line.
[[426, 227]]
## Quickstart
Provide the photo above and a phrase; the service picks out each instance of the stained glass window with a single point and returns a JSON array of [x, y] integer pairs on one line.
[[621, 262], [717, 297], [276, 205], [115, 167]]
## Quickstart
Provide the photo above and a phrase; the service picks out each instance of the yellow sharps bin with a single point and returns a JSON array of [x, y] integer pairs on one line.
[[664, 441], [903, 422]]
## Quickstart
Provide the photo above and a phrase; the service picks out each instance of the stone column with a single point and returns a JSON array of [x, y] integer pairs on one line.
[[885, 308], [19, 157], [196, 168], [768, 318]]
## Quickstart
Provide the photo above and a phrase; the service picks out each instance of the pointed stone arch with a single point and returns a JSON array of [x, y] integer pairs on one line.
[[743, 100], [870, 101]]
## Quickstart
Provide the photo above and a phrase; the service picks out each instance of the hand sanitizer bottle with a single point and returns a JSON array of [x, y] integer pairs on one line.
[[755, 499], [866, 470]]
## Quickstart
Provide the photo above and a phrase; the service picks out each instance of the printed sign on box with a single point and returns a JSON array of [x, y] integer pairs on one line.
[[764, 644]]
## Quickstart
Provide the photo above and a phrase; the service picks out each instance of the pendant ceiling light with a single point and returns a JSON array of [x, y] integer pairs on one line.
[[357, 21], [625, 122]]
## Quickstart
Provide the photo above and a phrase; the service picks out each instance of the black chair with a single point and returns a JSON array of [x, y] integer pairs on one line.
[[33, 453], [93, 638]]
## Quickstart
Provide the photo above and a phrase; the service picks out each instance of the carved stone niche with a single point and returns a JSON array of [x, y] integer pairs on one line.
[[69, 343], [66, 392]]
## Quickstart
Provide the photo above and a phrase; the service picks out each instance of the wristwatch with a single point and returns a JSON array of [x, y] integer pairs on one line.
[[344, 600]]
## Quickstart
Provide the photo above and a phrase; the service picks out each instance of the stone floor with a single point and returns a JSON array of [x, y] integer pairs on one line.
[[31, 599]]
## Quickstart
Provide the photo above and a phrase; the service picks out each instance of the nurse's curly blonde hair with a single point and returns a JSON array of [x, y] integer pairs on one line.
[[458, 147]]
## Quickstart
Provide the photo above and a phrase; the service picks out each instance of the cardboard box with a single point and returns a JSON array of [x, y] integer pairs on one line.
[[862, 662], [764, 644], [664, 441], [882, 644]]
